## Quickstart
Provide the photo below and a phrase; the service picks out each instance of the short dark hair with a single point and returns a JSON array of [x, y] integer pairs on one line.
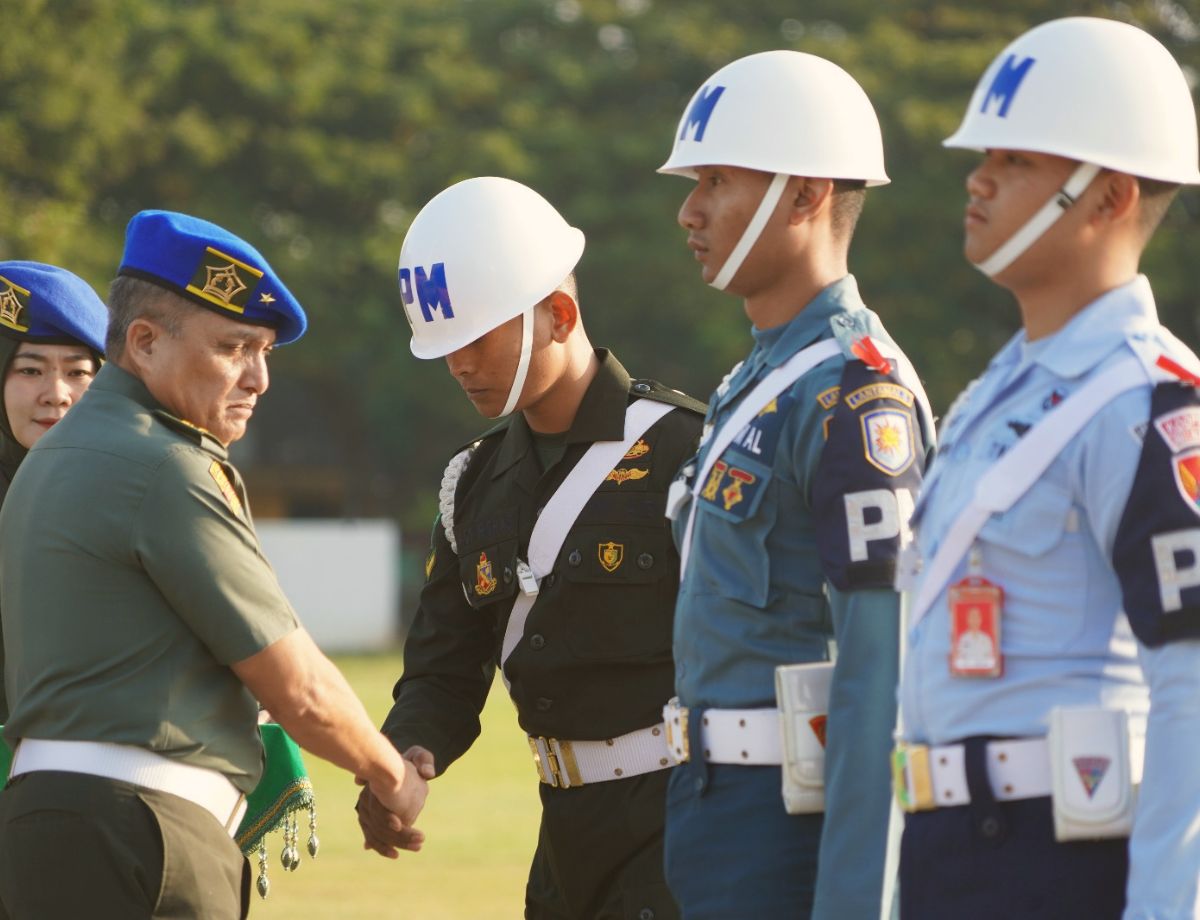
[[1156, 197], [132, 298], [849, 196]]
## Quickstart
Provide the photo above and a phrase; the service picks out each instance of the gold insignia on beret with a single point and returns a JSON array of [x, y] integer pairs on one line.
[[266, 298], [221, 478], [429, 561], [12, 307], [223, 280]]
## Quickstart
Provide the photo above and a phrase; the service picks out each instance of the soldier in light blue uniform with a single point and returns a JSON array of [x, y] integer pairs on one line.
[[1080, 444], [790, 516]]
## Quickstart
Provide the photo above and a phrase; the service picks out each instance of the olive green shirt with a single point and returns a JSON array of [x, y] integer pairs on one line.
[[131, 578]]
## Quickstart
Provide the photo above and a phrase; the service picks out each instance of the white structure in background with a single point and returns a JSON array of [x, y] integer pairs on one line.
[[343, 578]]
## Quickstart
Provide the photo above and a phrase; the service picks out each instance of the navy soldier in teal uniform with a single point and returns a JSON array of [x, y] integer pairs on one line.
[[551, 560], [141, 619], [790, 517], [1063, 516], [51, 344]]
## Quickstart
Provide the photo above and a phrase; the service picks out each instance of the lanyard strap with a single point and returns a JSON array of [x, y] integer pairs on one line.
[[1014, 474], [562, 510]]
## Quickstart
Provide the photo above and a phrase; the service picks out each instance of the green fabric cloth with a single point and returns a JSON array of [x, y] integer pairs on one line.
[[284, 788]]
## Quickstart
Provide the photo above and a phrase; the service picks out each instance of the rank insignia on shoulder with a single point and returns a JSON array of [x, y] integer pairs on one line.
[[611, 555], [228, 492], [888, 440], [1091, 772], [1186, 467], [485, 582], [1174, 367], [429, 561], [622, 474], [640, 449]]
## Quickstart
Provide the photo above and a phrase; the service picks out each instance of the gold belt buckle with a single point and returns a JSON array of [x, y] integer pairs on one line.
[[677, 732], [558, 767], [911, 778]]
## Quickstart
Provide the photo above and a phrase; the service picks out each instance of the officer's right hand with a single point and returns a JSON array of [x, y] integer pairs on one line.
[[386, 816]]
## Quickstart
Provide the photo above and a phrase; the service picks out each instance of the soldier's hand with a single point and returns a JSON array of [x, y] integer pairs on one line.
[[383, 831], [423, 759]]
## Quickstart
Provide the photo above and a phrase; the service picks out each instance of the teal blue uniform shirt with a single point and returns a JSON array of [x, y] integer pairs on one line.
[[775, 576], [1073, 559]]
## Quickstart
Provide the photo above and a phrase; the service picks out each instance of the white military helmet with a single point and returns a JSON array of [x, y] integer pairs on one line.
[[1102, 92], [478, 254], [782, 112]]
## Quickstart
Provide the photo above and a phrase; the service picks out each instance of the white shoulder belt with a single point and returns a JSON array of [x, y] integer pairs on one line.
[[560, 512], [1014, 474]]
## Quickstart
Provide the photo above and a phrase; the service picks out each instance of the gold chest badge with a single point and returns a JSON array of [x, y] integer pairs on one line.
[[622, 474], [611, 555], [640, 449], [485, 582]]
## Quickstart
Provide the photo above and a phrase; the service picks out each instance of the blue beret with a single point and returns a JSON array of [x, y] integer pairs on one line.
[[213, 268], [44, 303]]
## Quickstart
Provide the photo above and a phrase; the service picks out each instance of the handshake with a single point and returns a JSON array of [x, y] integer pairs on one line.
[[386, 816]]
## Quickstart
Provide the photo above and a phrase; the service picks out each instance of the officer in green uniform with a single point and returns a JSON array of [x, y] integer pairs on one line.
[[51, 342], [141, 619], [551, 555]]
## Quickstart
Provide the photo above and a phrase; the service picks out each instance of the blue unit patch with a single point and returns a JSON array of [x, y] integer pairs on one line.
[[888, 440]]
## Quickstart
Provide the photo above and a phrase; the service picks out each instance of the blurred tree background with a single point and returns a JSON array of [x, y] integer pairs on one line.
[[318, 129]]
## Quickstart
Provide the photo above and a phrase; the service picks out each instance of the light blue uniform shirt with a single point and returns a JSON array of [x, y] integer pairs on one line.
[[1065, 639], [755, 595]]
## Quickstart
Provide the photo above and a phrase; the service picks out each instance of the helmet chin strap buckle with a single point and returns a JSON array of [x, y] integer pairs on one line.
[[750, 235], [1014, 247], [518, 383]]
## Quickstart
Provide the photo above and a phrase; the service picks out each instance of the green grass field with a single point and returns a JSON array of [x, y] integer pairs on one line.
[[480, 823]]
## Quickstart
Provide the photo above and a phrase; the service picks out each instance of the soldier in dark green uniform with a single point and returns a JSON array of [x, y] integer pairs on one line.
[[141, 619], [551, 555], [51, 342]]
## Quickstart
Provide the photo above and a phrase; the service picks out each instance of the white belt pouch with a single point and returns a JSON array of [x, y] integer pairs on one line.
[[1092, 773], [802, 692]]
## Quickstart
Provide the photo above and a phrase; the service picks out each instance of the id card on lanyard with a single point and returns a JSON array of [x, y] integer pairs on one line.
[[976, 610]]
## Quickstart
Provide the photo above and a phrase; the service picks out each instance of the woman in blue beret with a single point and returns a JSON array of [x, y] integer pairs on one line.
[[52, 328]]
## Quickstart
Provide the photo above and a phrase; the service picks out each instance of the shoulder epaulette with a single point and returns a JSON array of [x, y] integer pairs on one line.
[[201, 437], [652, 389], [499, 428], [848, 329]]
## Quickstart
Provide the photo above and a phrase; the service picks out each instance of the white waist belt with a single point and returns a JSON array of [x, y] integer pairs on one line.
[[936, 777], [745, 736], [207, 788], [577, 763]]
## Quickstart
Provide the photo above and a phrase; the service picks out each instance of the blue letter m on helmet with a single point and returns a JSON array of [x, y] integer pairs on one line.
[[431, 290], [1006, 83], [701, 111]]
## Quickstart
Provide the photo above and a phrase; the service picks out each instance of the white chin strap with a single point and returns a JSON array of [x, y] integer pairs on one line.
[[1051, 211], [518, 383], [750, 236]]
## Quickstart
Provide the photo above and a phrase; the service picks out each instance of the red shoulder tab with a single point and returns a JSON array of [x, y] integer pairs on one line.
[[1172, 367], [866, 352]]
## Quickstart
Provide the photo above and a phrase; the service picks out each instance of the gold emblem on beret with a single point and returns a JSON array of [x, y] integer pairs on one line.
[[12, 307], [223, 280]]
